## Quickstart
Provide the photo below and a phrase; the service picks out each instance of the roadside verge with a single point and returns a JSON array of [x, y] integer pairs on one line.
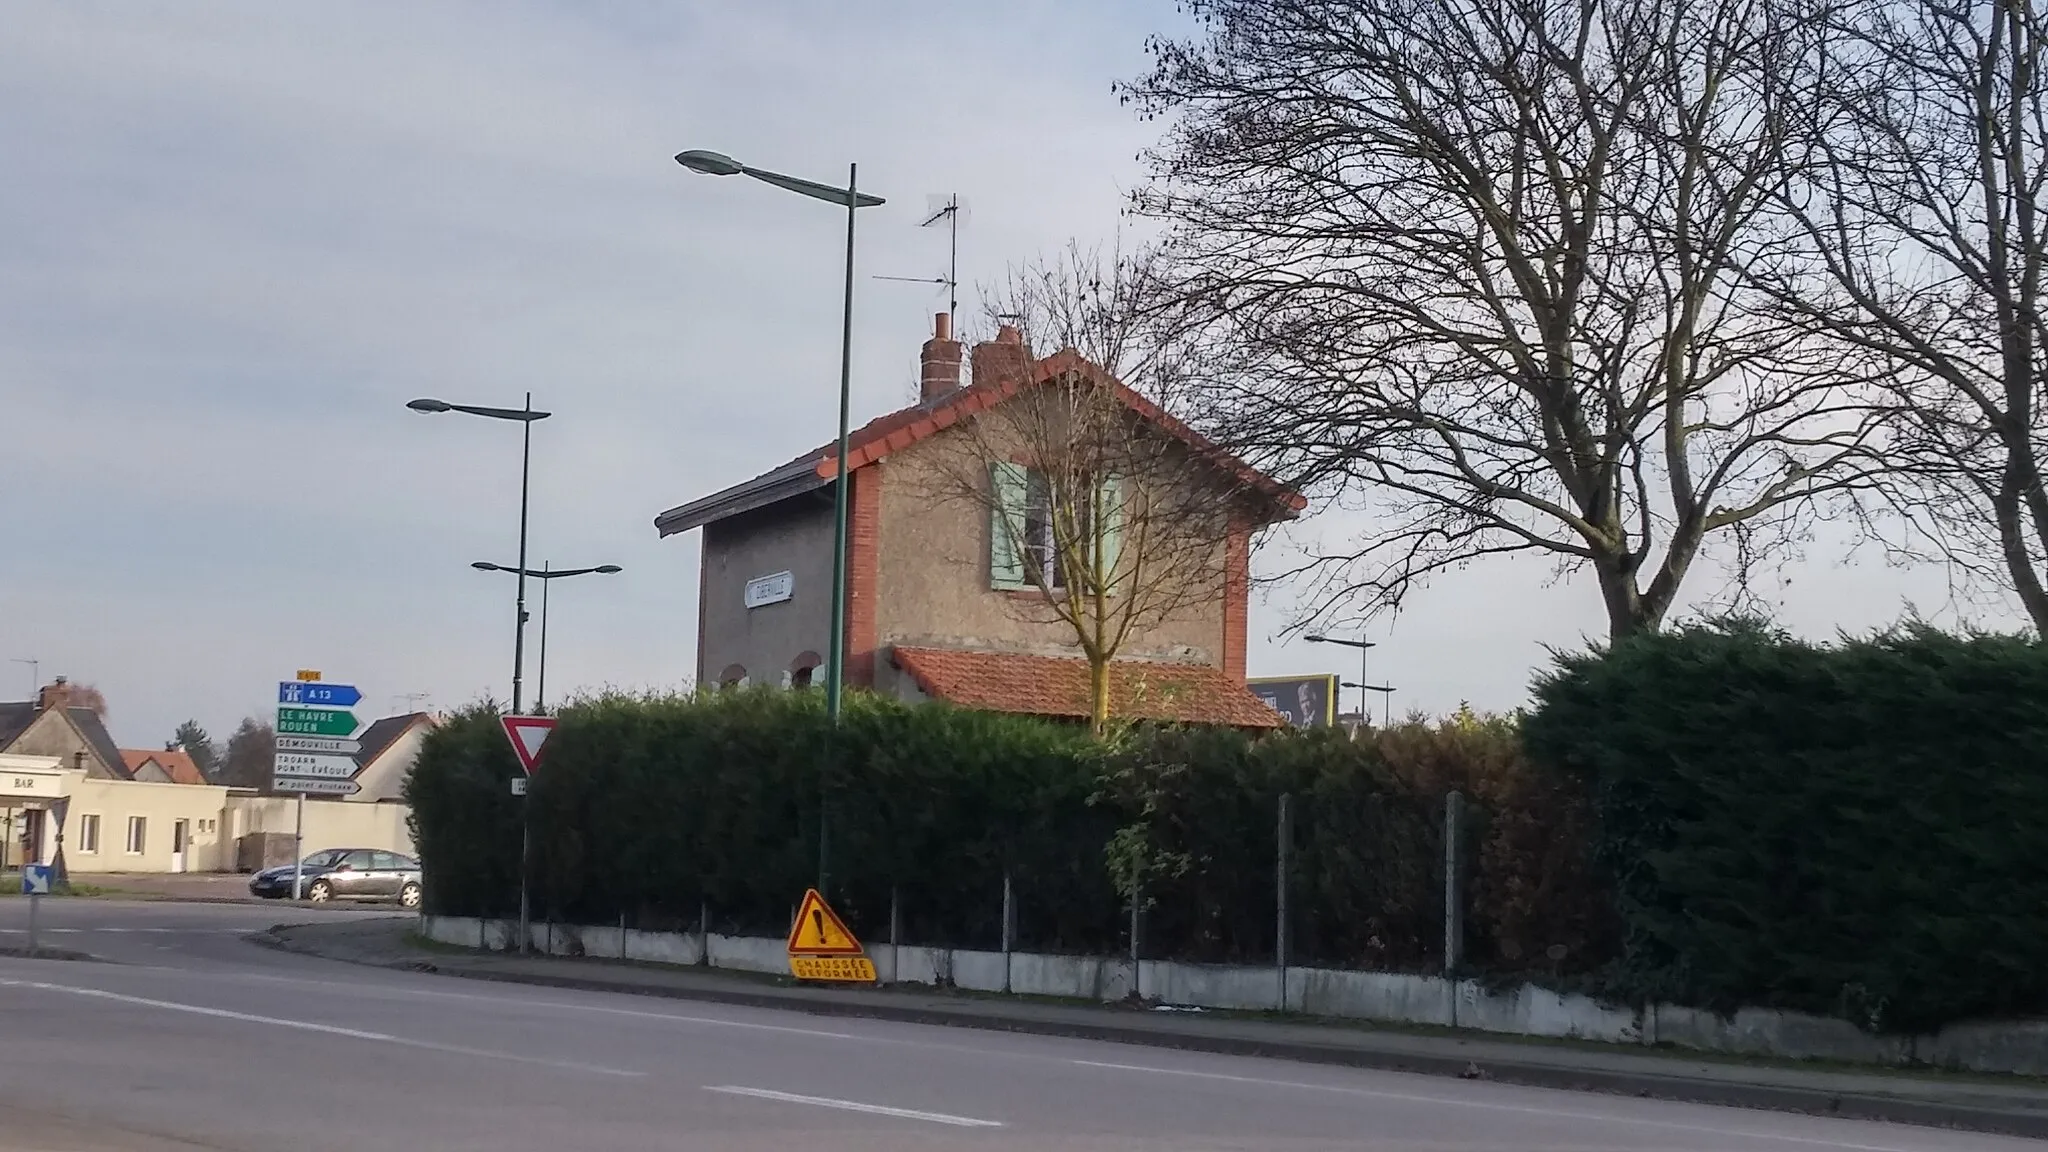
[[2012, 1105]]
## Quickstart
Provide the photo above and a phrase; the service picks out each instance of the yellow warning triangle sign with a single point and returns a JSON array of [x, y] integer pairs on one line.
[[819, 931]]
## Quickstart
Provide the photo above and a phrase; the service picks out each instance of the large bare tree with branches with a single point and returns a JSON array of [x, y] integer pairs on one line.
[[1926, 202], [1477, 266], [1105, 518]]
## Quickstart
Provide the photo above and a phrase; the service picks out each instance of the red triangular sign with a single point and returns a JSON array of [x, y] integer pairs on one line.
[[528, 734]]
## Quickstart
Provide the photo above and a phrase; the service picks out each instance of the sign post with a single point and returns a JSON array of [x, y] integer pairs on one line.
[[528, 736], [35, 884], [314, 752]]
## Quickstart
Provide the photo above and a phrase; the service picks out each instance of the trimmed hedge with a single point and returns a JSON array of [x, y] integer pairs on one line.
[[657, 809], [1853, 830], [660, 810]]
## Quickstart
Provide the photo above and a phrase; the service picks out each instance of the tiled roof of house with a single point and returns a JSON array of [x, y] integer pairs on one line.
[[176, 763], [380, 736], [900, 429], [1058, 687], [95, 732], [14, 720]]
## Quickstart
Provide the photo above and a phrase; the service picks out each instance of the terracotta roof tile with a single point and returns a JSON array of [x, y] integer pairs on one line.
[[176, 763], [895, 431], [1058, 686]]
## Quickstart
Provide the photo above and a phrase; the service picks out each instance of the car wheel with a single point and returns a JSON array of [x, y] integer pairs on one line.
[[320, 892], [409, 896]]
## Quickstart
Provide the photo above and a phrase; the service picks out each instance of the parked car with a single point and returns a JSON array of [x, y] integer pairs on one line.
[[345, 874]]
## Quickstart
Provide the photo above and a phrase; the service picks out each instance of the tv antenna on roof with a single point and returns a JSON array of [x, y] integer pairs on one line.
[[946, 206]]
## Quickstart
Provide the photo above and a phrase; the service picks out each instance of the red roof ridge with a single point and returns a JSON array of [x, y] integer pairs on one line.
[[1057, 686], [900, 429]]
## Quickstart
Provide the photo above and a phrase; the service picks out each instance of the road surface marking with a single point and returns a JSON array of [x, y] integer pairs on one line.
[[384, 991], [324, 1029], [854, 1106], [1525, 1109]]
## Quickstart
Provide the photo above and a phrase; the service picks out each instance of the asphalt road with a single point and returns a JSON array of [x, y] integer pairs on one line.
[[193, 1038]]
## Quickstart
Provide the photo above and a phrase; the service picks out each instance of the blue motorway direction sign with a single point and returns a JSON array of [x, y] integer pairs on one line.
[[318, 695]]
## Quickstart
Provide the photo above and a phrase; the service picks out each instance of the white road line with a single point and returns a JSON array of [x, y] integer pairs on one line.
[[854, 1106], [387, 992], [324, 1029], [1525, 1109]]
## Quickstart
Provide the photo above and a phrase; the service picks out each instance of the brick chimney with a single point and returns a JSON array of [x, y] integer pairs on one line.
[[54, 695], [941, 361], [1003, 358]]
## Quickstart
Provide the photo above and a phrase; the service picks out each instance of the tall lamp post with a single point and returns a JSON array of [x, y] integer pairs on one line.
[[719, 164], [1364, 647], [548, 572], [525, 416]]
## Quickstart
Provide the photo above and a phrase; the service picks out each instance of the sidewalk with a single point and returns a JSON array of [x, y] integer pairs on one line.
[[2011, 1105]]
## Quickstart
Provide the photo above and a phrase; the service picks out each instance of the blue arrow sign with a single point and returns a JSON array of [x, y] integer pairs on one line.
[[318, 695]]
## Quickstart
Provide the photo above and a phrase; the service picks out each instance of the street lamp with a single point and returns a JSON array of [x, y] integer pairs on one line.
[[719, 164], [525, 416], [1386, 692], [546, 573], [1363, 646]]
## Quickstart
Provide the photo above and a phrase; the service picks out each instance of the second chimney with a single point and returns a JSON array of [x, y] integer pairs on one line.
[[940, 363], [1002, 359], [54, 695]]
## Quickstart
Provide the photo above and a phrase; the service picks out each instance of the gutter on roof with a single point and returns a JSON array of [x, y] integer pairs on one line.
[[773, 488]]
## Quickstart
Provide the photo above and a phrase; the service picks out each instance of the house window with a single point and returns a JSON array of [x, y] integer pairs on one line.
[[138, 834], [89, 832], [734, 676], [1024, 539], [803, 671]]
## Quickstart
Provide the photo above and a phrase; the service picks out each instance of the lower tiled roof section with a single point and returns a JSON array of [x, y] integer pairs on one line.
[[1058, 687]]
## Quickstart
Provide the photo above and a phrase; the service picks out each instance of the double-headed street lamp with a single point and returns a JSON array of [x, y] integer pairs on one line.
[[546, 573], [719, 164], [1386, 692], [1364, 648], [525, 416]]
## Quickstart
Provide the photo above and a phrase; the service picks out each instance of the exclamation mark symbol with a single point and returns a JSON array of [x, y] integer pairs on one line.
[[818, 920]]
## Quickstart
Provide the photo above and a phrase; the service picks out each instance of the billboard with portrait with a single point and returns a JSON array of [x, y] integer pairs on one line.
[[1306, 701]]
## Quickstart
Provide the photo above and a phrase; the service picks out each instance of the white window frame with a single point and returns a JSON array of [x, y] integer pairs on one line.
[[138, 835], [89, 833]]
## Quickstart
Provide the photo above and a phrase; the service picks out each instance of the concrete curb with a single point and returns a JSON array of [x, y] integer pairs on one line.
[[52, 954], [1535, 1074]]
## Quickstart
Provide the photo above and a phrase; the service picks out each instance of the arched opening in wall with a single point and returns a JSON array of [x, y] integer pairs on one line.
[[734, 676], [803, 670]]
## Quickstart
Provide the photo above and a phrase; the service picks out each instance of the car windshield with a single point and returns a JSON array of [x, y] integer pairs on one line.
[[322, 859]]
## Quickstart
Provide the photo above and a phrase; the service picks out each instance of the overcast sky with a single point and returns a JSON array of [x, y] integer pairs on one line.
[[239, 237]]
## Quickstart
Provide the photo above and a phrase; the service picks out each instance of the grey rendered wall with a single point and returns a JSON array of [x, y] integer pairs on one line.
[[793, 536]]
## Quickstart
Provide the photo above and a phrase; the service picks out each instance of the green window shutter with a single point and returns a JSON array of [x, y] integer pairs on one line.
[[1009, 484], [1110, 503]]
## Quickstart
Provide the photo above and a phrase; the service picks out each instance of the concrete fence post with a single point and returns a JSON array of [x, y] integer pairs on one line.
[[622, 935], [704, 932], [1009, 920], [1137, 967], [895, 935], [1284, 838], [1454, 902]]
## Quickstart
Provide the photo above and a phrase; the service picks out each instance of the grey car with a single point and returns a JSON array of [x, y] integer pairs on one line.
[[345, 874]]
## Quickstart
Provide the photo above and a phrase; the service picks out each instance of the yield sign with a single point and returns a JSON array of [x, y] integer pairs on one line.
[[527, 734]]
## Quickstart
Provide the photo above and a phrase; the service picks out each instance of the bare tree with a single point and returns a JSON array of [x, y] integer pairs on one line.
[[1108, 516], [1927, 206], [1474, 266]]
